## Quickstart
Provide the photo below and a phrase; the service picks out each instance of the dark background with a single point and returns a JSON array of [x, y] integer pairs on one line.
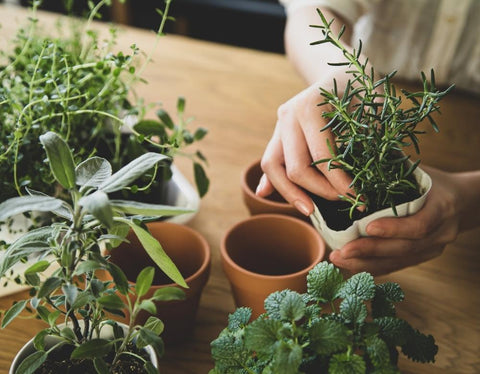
[[254, 24]]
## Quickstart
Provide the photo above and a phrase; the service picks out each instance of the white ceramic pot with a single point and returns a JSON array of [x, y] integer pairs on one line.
[[106, 333], [337, 239]]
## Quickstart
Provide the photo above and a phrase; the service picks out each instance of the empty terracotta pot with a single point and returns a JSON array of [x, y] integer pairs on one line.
[[267, 253], [273, 203], [191, 254]]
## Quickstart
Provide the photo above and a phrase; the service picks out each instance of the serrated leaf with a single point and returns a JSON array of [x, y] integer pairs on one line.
[[392, 291], [60, 159], [93, 172], [360, 285], [353, 310], [292, 307], [95, 348], [13, 312], [377, 351], [261, 335], [344, 363], [30, 364], [99, 206], [393, 330], [144, 281], [420, 347], [273, 303], [287, 358], [239, 318], [328, 336], [324, 281], [130, 172]]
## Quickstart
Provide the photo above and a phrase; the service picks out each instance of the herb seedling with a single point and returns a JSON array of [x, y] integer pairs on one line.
[[372, 129], [338, 326]]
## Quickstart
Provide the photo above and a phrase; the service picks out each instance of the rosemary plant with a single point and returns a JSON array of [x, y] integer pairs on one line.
[[75, 84], [372, 128]]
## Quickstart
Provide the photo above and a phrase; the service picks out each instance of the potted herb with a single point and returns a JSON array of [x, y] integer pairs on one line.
[[77, 85], [66, 291], [338, 326], [372, 128]]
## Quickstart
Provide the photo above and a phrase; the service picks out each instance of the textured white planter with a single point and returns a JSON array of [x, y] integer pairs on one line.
[[179, 193], [337, 239], [106, 333]]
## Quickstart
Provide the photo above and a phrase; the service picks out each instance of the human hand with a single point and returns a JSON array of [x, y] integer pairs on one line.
[[399, 242], [295, 143]]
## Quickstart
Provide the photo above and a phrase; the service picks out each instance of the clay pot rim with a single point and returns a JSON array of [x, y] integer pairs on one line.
[[204, 246], [320, 255], [246, 188]]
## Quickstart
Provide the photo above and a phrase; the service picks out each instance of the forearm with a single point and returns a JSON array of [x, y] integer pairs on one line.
[[312, 61], [468, 199]]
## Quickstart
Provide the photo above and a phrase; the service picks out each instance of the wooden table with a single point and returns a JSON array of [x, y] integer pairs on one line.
[[235, 93]]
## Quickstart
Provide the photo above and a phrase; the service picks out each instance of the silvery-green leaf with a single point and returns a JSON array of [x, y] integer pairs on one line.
[[99, 206], [22, 204], [60, 159], [145, 209], [130, 172], [93, 172]]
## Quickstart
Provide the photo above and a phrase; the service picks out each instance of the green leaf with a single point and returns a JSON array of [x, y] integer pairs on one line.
[[328, 336], [150, 338], [99, 206], [119, 230], [144, 281], [95, 348], [87, 267], [154, 324], [22, 204], [377, 351], [145, 209], [38, 267], [261, 335], [324, 281], [60, 158], [68, 333], [148, 306], [13, 312], [392, 292], [420, 347], [239, 318], [344, 363], [180, 104], [82, 299], [157, 254], [50, 285], [353, 310], [100, 366], [119, 278], [39, 339], [200, 133], [164, 117], [201, 180], [32, 363], [360, 285], [130, 172], [150, 128], [92, 172], [287, 358], [168, 294], [71, 292], [112, 301], [292, 307], [150, 368]]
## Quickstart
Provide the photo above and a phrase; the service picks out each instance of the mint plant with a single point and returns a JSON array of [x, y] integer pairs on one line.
[[339, 326], [78, 85], [372, 128], [68, 289]]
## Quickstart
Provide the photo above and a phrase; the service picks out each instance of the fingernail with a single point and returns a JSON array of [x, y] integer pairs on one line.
[[302, 207], [261, 184], [374, 230]]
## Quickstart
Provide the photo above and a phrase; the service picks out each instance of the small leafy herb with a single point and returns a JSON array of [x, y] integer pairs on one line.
[[78, 86], [338, 326], [372, 129], [66, 281]]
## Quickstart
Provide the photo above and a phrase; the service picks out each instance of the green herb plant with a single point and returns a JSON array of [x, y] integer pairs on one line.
[[78, 86], [68, 290], [372, 129], [338, 326]]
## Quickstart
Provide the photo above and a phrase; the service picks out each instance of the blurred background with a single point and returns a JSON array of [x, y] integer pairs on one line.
[[256, 24]]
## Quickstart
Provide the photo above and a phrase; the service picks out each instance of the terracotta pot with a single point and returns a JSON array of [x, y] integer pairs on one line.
[[336, 239], [50, 341], [267, 253], [191, 254], [274, 203]]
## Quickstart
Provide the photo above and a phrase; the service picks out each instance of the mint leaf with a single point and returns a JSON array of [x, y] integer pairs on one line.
[[420, 347], [393, 330], [324, 281], [261, 335], [344, 363], [292, 307], [361, 285], [239, 318], [353, 310], [377, 351], [327, 337], [287, 358]]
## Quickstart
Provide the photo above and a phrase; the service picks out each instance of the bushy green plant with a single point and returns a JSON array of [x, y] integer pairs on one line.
[[66, 281], [339, 326], [372, 128], [77, 85]]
